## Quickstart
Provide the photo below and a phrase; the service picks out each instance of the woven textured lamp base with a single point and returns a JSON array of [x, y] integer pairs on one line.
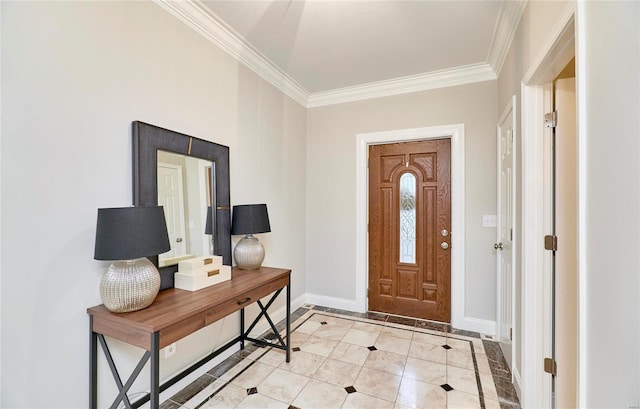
[[129, 285], [249, 253]]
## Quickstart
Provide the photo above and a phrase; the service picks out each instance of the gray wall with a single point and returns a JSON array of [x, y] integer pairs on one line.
[[74, 76], [331, 183]]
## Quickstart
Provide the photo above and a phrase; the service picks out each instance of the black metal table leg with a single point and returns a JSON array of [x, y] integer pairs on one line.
[[242, 328], [93, 366], [288, 318], [154, 398]]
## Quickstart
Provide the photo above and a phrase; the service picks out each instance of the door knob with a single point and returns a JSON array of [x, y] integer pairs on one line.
[[179, 240], [498, 246], [444, 245]]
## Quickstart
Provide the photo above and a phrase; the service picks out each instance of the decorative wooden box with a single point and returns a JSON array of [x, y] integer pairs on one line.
[[197, 273]]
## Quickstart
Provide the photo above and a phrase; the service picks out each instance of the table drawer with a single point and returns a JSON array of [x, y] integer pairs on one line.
[[235, 304]]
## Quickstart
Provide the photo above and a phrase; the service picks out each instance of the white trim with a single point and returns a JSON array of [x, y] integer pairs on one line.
[[560, 40], [196, 16], [517, 380], [422, 82], [456, 133], [504, 31], [332, 302], [486, 327], [532, 250]]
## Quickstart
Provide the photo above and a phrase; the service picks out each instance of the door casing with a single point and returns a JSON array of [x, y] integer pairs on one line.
[[456, 133]]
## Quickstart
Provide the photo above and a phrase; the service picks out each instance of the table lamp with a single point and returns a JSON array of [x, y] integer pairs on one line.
[[127, 236], [248, 220]]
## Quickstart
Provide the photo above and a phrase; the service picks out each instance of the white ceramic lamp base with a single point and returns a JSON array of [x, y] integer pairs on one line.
[[249, 253]]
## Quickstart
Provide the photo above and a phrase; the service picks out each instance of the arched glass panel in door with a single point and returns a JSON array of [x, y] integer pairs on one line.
[[408, 218]]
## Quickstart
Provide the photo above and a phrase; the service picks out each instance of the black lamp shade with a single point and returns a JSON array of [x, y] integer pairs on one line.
[[250, 219], [207, 226], [127, 233]]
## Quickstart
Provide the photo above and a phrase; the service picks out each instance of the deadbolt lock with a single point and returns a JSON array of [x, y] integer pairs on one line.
[[444, 232]]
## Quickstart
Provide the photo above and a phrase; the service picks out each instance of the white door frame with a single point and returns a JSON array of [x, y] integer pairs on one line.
[[456, 133], [554, 55]]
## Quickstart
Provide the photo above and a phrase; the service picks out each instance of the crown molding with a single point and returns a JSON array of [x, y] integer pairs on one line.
[[504, 31], [436, 79], [210, 27], [196, 16]]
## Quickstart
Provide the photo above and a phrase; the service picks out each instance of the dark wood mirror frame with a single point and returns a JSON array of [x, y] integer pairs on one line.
[[147, 141]]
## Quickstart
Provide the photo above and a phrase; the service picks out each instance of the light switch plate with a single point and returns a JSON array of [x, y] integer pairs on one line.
[[489, 220]]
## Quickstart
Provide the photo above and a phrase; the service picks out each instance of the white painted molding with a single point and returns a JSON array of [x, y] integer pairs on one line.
[[456, 133], [560, 37], [414, 83], [332, 302], [196, 16], [504, 31], [210, 26], [486, 327], [517, 382]]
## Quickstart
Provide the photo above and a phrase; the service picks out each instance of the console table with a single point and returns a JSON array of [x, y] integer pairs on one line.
[[176, 313]]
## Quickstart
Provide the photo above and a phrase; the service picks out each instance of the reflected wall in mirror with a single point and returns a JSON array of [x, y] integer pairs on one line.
[[187, 176], [185, 192]]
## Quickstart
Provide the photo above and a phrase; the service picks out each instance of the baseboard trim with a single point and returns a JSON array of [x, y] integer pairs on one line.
[[486, 327], [517, 382], [332, 302]]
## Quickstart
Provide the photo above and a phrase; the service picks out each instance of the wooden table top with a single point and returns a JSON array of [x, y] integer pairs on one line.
[[174, 305]]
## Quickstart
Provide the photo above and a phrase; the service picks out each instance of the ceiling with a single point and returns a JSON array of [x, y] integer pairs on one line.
[[328, 51]]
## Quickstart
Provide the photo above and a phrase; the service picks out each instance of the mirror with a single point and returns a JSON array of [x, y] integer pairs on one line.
[[185, 192], [187, 176]]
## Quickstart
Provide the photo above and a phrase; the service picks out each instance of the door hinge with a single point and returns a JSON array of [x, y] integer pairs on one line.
[[510, 334], [551, 119], [511, 234], [550, 366], [551, 242]]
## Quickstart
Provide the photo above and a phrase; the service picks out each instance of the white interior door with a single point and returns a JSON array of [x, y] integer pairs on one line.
[[170, 195], [505, 234]]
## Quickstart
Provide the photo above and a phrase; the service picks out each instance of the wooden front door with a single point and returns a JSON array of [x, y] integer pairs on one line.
[[409, 229]]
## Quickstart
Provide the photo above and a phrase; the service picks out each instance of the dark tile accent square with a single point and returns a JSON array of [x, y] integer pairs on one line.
[[445, 346], [252, 391], [295, 349], [372, 348], [293, 407], [350, 389], [323, 322], [446, 387]]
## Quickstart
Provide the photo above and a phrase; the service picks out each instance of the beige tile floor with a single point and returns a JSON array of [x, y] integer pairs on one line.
[[342, 361]]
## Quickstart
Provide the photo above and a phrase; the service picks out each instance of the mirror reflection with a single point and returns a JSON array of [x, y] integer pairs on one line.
[[185, 191]]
